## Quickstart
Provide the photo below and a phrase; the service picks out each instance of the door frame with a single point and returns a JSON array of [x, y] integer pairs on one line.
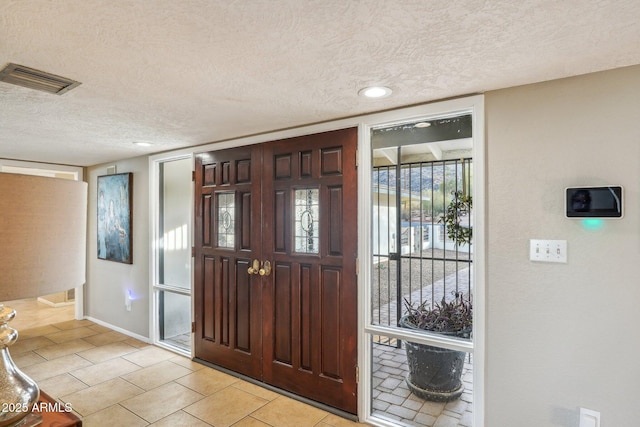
[[475, 105], [364, 123]]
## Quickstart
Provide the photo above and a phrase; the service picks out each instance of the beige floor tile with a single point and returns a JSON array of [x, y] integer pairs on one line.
[[336, 421], [32, 314], [133, 342], [114, 415], [99, 328], [187, 363], [162, 401], [104, 338], [101, 396], [256, 390], [58, 350], [61, 385], [156, 375], [106, 352], [23, 360], [180, 392], [73, 324], [250, 422], [225, 407], [149, 356], [179, 419], [22, 345], [55, 367], [286, 412], [207, 381], [93, 375], [36, 332], [70, 334]]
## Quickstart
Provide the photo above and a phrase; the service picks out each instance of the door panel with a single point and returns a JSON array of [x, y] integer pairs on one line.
[[228, 309], [292, 203], [310, 304]]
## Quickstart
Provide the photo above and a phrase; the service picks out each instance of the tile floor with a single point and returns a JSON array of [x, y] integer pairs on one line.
[[112, 379]]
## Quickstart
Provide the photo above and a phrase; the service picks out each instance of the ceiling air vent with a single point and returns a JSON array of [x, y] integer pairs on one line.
[[36, 79]]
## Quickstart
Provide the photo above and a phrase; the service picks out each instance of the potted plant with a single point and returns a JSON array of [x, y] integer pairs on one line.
[[435, 373], [459, 207]]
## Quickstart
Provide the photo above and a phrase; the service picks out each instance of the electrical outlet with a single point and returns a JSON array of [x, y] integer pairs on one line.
[[589, 418], [548, 250]]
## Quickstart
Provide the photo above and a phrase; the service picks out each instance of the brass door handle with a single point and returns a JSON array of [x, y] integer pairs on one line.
[[266, 269], [254, 268]]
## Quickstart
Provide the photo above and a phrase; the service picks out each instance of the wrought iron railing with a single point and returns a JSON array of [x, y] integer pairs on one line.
[[413, 258]]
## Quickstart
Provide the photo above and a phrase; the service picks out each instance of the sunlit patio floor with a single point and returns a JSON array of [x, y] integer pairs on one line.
[[392, 399]]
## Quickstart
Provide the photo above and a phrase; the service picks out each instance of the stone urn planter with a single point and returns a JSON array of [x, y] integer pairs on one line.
[[435, 373]]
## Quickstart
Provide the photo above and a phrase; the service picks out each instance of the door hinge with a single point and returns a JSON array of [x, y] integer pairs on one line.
[[357, 374], [357, 158], [193, 176], [357, 266], [193, 327], [193, 251]]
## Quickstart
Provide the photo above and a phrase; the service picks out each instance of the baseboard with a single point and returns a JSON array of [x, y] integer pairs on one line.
[[118, 329]]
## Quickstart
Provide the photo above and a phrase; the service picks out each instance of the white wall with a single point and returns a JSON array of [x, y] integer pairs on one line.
[[561, 336], [108, 281]]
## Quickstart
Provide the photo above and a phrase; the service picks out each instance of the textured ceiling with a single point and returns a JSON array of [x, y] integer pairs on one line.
[[188, 72]]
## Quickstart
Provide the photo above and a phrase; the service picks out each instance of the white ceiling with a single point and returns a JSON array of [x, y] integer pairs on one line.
[[188, 72]]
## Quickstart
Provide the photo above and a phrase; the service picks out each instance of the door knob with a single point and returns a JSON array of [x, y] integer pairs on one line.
[[266, 269], [254, 268]]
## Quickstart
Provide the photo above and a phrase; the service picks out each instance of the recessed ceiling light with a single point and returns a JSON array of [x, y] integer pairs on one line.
[[422, 125], [142, 144], [375, 92]]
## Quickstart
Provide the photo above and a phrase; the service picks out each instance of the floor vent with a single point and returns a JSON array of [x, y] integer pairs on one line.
[[36, 79]]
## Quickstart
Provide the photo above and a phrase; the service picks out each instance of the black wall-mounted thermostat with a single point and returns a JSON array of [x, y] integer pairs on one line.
[[594, 202]]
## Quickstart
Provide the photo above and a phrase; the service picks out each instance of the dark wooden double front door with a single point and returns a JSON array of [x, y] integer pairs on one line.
[[275, 254]]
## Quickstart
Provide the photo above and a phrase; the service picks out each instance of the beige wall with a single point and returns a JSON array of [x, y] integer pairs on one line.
[[108, 281], [42, 232], [561, 336]]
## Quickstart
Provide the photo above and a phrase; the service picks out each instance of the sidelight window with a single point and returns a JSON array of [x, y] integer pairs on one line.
[[172, 278], [422, 172]]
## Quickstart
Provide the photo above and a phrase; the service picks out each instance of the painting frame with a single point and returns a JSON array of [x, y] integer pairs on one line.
[[114, 215]]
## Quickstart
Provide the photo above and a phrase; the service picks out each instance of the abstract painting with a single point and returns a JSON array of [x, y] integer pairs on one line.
[[114, 217]]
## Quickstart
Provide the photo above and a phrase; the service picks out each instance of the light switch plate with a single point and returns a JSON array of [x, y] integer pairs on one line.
[[548, 250]]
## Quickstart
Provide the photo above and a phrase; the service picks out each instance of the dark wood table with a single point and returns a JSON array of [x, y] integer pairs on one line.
[[54, 414]]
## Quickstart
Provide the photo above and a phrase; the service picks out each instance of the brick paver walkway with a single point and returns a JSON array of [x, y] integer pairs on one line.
[[393, 400]]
